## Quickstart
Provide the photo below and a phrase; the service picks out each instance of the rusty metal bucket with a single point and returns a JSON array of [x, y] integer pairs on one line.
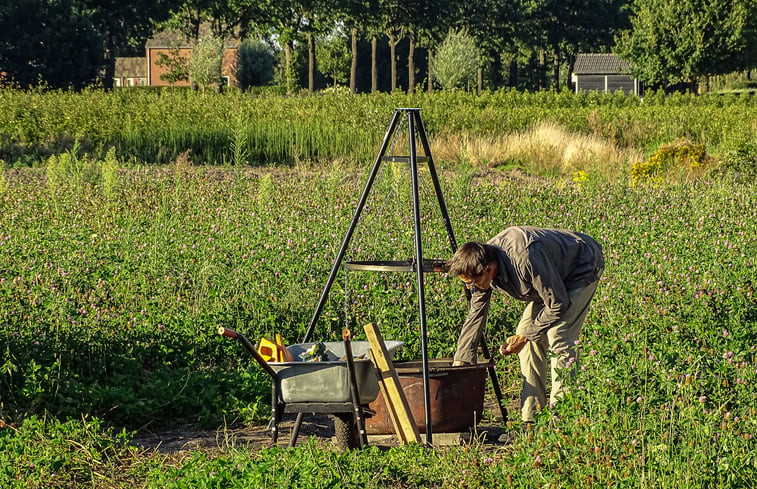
[[457, 396]]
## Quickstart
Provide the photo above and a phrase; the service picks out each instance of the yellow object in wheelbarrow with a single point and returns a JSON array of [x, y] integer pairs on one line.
[[274, 352]]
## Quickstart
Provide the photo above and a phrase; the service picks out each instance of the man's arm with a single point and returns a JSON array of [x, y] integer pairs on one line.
[[475, 321]]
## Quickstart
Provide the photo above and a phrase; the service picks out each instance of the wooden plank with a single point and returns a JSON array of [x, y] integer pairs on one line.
[[390, 408], [394, 396]]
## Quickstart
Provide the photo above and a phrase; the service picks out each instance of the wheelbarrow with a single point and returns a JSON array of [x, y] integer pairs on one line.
[[322, 387]]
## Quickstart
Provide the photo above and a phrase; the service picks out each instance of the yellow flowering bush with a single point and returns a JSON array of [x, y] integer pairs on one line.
[[580, 177], [682, 156]]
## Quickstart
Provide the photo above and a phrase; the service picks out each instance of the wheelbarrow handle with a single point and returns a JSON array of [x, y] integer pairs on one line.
[[230, 333]]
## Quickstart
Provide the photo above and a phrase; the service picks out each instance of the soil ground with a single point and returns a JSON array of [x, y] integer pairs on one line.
[[182, 439]]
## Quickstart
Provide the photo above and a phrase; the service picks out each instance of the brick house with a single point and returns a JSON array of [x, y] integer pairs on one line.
[[604, 73], [170, 43], [130, 72]]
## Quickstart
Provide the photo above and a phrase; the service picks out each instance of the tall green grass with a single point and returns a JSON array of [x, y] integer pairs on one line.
[[149, 126]]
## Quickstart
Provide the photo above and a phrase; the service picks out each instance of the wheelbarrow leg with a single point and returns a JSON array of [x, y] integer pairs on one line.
[[276, 410], [296, 429]]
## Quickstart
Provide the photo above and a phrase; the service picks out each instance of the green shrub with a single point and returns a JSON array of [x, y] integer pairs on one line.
[[741, 162], [205, 67]]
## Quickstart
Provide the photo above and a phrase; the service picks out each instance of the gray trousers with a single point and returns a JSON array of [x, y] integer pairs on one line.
[[557, 346]]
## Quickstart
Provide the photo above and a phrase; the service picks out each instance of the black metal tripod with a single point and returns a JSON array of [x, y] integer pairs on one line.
[[418, 265]]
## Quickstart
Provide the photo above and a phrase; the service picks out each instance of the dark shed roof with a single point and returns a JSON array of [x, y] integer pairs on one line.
[[131, 67], [600, 64]]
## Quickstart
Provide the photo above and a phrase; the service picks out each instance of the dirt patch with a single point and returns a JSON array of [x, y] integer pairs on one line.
[[190, 437], [185, 438]]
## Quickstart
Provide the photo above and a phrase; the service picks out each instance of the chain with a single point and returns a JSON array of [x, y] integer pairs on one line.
[[397, 130], [346, 301]]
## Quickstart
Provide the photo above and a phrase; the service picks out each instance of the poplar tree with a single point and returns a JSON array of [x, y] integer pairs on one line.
[[684, 41], [457, 60]]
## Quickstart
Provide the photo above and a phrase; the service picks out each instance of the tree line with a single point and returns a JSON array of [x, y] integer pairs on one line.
[[389, 44]]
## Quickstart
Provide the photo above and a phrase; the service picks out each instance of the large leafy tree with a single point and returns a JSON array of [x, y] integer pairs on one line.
[[319, 20], [493, 24], [287, 23], [38, 37], [124, 26], [291, 21], [71, 43], [422, 17], [413, 20], [558, 29], [395, 16], [333, 57], [226, 18], [683, 41]]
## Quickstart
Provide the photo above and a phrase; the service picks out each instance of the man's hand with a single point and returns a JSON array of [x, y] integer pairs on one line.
[[514, 344]]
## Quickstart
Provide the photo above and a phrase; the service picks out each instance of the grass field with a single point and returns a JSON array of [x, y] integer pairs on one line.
[[108, 307], [114, 278]]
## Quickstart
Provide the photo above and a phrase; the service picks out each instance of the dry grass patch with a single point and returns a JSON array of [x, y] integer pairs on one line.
[[545, 149]]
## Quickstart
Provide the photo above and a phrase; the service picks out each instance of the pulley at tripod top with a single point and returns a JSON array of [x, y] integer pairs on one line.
[[430, 265]]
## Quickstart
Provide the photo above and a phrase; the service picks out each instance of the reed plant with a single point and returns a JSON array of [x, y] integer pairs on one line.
[[155, 126]]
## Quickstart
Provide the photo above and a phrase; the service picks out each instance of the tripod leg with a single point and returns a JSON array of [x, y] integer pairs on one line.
[[437, 184], [351, 229], [495, 382]]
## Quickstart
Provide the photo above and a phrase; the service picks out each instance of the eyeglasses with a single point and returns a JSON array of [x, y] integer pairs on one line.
[[472, 282]]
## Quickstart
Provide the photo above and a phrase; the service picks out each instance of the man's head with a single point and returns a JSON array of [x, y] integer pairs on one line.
[[475, 263]]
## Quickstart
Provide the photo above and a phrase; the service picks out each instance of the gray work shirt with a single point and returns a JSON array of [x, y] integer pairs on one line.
[[542, 265]]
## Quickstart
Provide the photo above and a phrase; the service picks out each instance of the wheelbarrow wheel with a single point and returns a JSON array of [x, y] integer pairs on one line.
[[346, 432]]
